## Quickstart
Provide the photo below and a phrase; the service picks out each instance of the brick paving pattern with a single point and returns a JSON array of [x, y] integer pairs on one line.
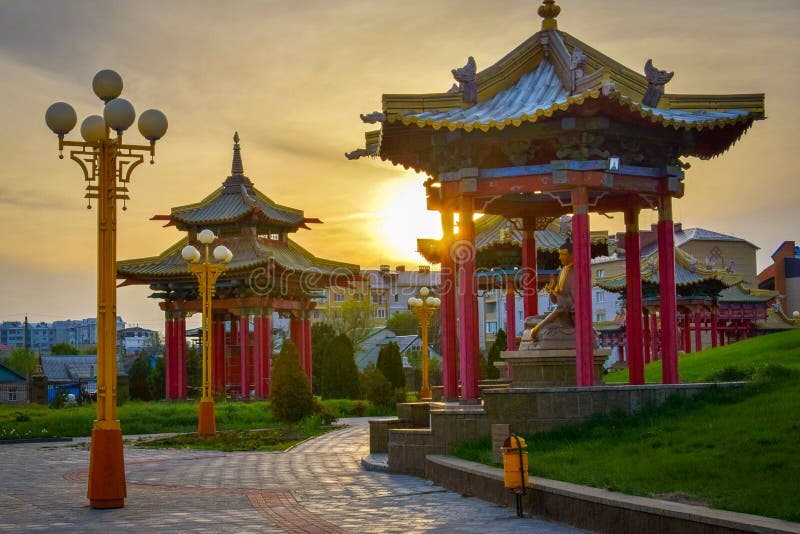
[[317, 487]]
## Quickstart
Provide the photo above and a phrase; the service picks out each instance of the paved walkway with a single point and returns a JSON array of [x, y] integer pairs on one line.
[[316, 487]]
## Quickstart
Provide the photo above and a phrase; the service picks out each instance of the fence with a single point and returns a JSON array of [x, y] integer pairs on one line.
[[18, 393]]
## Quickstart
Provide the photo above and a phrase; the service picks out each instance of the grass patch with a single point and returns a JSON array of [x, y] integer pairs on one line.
[[733, 449], [780, 349], [135, 418], [277, 438]]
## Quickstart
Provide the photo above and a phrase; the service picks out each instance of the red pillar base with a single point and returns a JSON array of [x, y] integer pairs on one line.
[[106, 469], [206, 420]]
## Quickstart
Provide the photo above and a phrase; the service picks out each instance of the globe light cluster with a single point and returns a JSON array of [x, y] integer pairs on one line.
[[206, 237], [118, 114], [426, 300]]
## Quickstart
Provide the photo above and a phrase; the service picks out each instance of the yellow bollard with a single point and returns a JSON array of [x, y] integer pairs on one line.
[[515, 467]]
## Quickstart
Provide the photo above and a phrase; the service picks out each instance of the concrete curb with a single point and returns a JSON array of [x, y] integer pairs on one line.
[[596, 509]]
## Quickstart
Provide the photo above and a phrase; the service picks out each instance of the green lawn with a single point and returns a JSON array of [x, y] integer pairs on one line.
[[780, 349], [731, 449]]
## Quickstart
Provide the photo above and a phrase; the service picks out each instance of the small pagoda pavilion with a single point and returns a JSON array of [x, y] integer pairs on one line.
[[269, 273], [554, 127], [711, 302], [498, 261]]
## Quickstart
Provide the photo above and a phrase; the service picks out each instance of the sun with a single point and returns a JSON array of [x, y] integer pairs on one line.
[[405, 218]]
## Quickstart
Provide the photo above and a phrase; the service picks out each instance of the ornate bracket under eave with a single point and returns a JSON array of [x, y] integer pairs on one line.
[[372, 118]]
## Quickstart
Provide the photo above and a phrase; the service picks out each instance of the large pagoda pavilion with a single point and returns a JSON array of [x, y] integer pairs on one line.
[[552, 128], [269, 273]]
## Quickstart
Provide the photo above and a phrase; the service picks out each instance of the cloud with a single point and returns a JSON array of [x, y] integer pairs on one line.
[[29, 198]]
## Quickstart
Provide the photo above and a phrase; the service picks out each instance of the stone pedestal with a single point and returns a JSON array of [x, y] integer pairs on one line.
[[548, 367]]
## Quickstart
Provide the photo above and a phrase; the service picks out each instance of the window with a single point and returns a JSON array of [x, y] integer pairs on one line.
[[338, 297], [380, 313], [357, 296], [600, 273], [599, 297], [491, 327], [315, 314], [600, 316], [491, 307], [396, 297], [12, 395]]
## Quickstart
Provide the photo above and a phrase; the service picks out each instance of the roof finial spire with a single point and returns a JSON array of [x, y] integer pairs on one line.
[[549, 11], [237, 169]]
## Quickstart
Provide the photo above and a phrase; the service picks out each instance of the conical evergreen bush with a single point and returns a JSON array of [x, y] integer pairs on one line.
[[290, 397]]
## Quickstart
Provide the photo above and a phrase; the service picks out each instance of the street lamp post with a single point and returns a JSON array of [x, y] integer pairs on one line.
[[107, 164], [423, 308], [207, 274]]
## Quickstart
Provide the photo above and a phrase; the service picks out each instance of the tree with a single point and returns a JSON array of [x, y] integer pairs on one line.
[[138, 379], [22, 361], [194, 368], [390, 363], [340, 373], [354, 320], [291, 398], [378, 389], [499, 345], [403, 324], [321, 336], [158, 380], [63, 348]]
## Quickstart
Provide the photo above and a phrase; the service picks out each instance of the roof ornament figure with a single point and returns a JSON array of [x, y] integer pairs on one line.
[[372, 118], [656, 80], [549, 11], [237, 169], [576, 68], [466, 77]]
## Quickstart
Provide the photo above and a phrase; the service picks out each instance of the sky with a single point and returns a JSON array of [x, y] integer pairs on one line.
[[292, 77]]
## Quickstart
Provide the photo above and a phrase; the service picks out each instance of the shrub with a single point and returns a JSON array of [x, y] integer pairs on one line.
[[139, 375], [157, 381], [340, 374], [500, 344], [378, 389], [326, 415], [291, 397], [390, 363], [321, 336]]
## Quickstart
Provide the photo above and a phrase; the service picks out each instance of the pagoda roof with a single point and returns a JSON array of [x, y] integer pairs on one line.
[[776, 320], [496, 230], [688, 272], [236, 199], [249, 252], [742, 293], [550, 74], [539, 94]]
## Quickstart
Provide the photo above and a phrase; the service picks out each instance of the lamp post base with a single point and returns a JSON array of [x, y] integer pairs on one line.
[[106, 469], [206, 420]]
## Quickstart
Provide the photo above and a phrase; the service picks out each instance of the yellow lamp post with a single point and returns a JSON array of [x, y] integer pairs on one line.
[[207, 274], [423, 308], [107, 164]]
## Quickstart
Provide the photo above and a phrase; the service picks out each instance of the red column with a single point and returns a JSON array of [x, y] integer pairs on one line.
[[511, 313], [267, 350], [218, 343], [244, 372], [633, 298], [714, 332], [467, 304], [698, 331], [447, 293], [687, 333], [307, 345], [180, 346], [667, 290], [621, 349], [646, 337], [582, 288], [530, 284], [169, 357], [258, 356]]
